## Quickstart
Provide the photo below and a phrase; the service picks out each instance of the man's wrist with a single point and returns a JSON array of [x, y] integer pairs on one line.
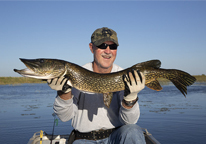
[[130, 103], [64, 96]]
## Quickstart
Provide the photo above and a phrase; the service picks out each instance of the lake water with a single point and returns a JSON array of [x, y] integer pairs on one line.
[[168, 115]]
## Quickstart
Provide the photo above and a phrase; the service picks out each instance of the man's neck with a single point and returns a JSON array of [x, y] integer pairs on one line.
[[98, 69]]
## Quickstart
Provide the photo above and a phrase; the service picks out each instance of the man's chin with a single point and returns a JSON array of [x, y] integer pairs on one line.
[[106, 66]]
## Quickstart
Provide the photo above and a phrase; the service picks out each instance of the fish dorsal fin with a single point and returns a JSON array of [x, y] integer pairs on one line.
[[154, 85], [151, 63]]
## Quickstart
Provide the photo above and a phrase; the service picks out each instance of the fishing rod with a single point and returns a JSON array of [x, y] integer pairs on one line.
[[55, 122]]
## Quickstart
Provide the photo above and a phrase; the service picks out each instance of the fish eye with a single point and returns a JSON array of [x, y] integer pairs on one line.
[[41, 60]]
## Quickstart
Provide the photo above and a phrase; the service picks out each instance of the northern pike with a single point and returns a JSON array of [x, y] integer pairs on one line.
[[85, 80]]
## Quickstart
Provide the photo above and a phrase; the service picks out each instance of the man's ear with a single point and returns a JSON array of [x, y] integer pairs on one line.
[[91, 47]]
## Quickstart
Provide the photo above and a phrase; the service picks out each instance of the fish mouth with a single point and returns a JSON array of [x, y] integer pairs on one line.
[[31, 65], [25, 72]]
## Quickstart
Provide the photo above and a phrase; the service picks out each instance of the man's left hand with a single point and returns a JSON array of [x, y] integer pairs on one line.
[[134, 83]]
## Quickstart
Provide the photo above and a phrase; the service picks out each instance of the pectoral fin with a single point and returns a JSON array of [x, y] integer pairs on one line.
[[107, 98], [154, 85]]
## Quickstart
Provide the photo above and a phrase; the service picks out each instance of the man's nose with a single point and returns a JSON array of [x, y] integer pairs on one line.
[[107, 50]]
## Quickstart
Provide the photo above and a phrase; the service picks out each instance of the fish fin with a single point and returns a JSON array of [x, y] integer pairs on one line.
[[181, 80], [151, 63], [107, 98], [154, 85]]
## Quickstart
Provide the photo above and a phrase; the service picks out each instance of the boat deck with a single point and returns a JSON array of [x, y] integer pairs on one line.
[[43, 138]]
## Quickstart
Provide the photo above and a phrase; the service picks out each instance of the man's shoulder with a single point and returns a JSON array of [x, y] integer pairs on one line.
[[88, 66], [116, 68]]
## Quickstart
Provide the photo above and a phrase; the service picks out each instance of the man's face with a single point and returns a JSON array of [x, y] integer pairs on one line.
[[104, 58]]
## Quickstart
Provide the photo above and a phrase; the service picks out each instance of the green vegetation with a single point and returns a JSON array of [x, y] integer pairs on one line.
[[20, 80], [200, 78]]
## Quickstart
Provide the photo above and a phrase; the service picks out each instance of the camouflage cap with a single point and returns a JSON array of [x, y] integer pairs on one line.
[[101, 35]]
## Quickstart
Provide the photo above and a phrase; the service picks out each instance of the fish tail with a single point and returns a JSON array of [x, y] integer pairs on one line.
[[180, 79]]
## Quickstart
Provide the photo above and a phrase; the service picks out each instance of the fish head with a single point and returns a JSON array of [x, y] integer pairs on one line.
[[42, 68]]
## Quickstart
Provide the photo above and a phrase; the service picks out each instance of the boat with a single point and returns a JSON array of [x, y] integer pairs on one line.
[[42, 137]]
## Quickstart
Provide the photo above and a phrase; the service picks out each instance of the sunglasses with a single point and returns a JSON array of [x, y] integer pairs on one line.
[[104, 46]]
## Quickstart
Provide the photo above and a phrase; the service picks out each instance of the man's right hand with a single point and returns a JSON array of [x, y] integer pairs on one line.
[[59, 84]]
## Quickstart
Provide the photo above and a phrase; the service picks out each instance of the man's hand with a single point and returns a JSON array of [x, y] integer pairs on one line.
[[134, 83], [59, 84]]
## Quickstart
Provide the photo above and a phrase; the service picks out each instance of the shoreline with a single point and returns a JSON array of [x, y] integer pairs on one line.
[[22, 80], [18, 80]]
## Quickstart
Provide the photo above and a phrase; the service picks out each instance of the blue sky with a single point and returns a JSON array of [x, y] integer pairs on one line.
[[173, 32]]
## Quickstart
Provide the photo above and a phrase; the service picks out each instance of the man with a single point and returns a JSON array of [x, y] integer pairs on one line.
[[94, 122]]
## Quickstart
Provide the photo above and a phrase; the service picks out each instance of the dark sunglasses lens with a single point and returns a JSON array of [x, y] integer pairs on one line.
[[102, 46], [113, 47]]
